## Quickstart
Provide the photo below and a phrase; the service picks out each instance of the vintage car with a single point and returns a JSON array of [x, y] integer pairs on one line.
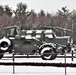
[[41, 41]]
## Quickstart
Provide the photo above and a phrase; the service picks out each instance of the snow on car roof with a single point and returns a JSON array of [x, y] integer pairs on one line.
[[48, 31]]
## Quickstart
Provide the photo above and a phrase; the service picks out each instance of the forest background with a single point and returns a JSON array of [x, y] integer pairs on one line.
[[31, 20]]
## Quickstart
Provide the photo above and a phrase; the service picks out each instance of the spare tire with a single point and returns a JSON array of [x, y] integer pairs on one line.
[[5, 45]]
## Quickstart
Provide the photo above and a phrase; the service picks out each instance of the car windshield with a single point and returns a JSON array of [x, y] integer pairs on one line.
[[11, 32]]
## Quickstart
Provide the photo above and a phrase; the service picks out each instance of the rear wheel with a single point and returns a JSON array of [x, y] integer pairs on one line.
[[48, 53]]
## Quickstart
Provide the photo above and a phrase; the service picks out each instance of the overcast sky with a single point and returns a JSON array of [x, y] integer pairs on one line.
[[47, 5]]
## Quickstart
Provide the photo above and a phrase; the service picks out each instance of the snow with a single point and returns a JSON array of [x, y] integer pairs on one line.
[[37, 70], [39, 60], [33, 70]]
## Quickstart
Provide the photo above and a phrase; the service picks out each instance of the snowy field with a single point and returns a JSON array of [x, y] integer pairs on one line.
[[37, 70], [33, 70]]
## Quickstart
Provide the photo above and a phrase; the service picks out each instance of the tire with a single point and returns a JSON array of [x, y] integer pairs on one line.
[[5, 45], [68, 49], [48, 53]]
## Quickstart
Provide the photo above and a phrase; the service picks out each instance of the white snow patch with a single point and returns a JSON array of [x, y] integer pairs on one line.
[[37, 70]]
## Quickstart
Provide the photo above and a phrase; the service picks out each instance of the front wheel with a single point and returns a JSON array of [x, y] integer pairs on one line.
[[48, 53]]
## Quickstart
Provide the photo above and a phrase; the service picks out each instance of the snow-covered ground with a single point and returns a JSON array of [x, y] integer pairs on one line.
[[37, 70], [57, 60], [33, 70]]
